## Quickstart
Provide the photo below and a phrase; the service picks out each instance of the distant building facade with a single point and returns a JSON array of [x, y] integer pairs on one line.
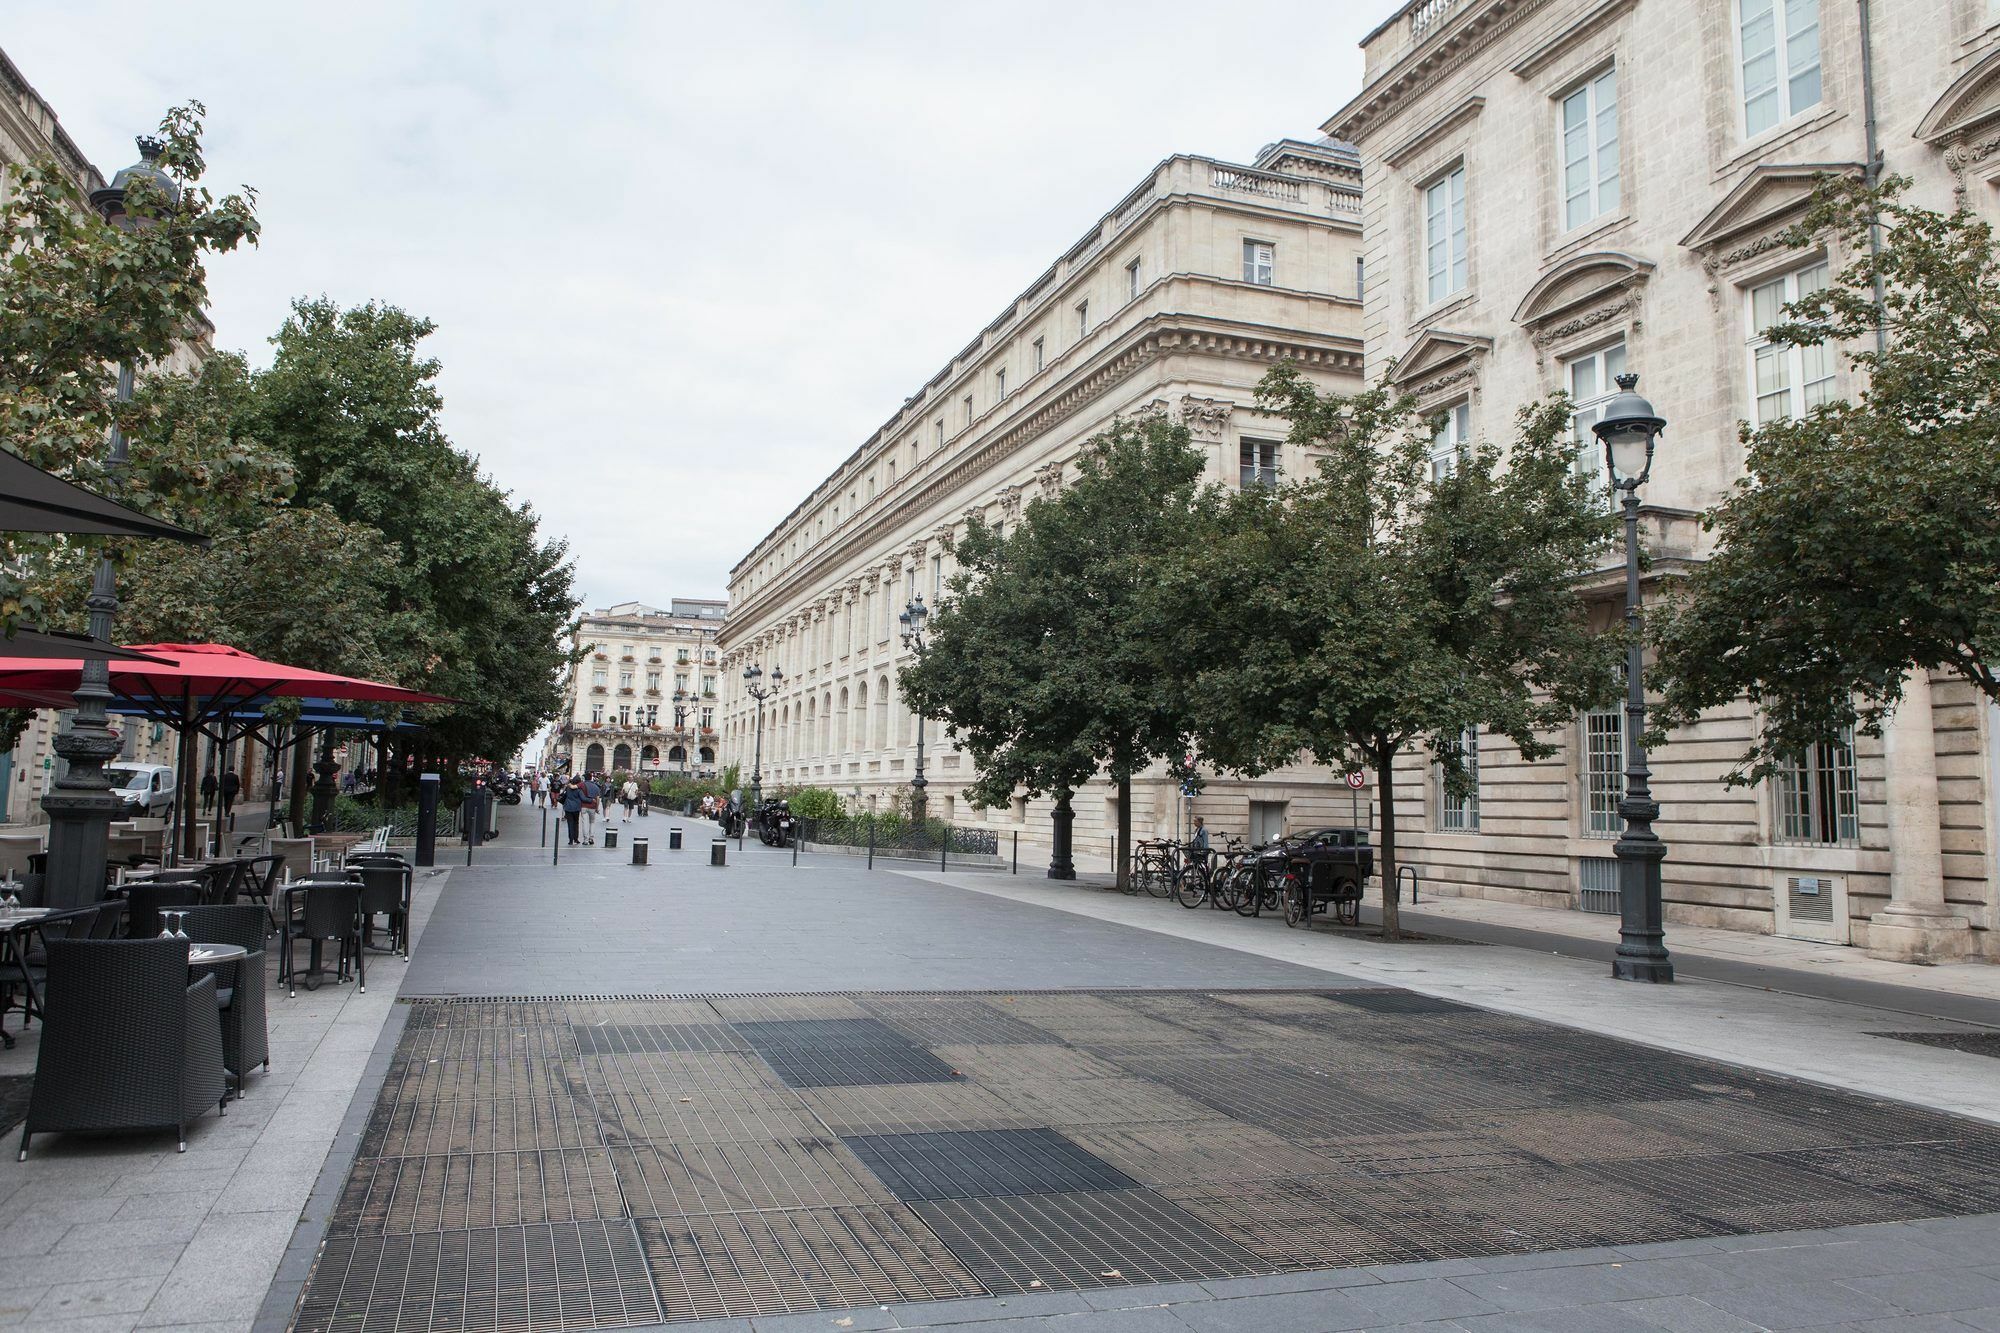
[[644, 696], [1176, 301], [1561, 190]]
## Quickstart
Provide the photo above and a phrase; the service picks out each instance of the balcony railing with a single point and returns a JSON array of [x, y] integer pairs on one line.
[[1428, 16], [1266, 183]]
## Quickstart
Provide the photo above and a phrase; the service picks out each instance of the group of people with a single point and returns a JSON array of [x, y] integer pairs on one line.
[[580, 799]]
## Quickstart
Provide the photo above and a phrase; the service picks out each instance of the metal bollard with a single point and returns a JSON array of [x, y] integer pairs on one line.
[[718, 851], [610, 837], [674, 838], [639, 851]]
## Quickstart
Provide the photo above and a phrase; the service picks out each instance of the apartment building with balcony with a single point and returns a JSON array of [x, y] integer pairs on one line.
[[644, 695], [1177, 301], [1561, 190]]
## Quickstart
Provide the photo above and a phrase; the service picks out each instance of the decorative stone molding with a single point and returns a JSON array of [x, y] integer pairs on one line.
[[1010, 502], [1964, 122], [1156, 408], [1752, 219], [1438, 359], [943, 535], [1435, 131], [1582, 293], [1206, 418], [1049, 477]]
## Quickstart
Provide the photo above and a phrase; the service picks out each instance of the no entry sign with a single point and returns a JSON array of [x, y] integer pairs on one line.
[[1357, 780]]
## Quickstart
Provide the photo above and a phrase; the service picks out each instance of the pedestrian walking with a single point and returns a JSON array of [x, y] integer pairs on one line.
[[231, 784], [593, 797], [631, 794], [207, 791], [572, 807]]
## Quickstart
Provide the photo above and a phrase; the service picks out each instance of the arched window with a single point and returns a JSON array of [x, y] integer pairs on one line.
[[593, 758], [621, 757], [863, 735], [707, 754], [881, 725], [840, 730], [812, 719], [649, 755], [677, 755], [826, 723]]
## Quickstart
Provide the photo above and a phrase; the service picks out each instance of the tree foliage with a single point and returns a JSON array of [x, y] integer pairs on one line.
[[1369, 608], [78, 298], [1050, 659], [1863, 542]]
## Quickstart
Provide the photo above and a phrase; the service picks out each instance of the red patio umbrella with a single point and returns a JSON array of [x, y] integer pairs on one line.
[[189, 686]]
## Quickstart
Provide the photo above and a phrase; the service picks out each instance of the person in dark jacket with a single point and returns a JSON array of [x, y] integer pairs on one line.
[[231, 784], [572, 807], [207, 791]]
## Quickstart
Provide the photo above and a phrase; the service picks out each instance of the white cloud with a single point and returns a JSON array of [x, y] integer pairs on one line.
[[683, 258]]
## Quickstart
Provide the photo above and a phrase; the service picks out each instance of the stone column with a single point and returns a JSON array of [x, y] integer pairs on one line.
[[1916, 926]]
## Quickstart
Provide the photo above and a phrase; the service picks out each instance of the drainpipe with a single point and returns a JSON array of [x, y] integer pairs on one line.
[[1872, 168]]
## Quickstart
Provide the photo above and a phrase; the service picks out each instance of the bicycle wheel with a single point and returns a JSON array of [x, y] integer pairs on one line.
[[1193, 887], [1296, 907], [1250, 894], [1161, 883], [1227, 891]]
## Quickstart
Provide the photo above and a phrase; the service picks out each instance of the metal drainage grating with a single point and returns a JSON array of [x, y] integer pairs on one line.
[[1079, 1239], [802, 1259], [1972, 1043], [1399, 1002], [984, 1162], [492, 1280], [655, 1038], [842, 1053], [403, 1195], [687, 1179]]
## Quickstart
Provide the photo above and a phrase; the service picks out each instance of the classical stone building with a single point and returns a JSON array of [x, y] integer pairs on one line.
[[1177, 300], [1559, 190], [645, 693]]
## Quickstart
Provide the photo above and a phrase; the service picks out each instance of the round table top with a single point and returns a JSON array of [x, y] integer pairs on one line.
[[207, 955]]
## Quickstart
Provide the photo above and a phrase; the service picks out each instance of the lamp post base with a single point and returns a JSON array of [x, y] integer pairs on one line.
[[1642, 969]]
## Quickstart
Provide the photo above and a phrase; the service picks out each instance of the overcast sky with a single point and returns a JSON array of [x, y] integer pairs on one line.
[[683, 258]]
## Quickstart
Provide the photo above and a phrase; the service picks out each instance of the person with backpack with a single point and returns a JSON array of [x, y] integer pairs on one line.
[[572, 807], [593, 797]]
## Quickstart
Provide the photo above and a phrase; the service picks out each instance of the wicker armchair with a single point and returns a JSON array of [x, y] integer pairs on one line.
[[127, 1042], [170, 888], [246, 1038], [385, 891], [327, 909]]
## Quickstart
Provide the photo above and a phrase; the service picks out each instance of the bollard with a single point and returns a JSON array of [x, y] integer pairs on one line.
[[610, 837], [674, 838], [718, 851], [639, 851]]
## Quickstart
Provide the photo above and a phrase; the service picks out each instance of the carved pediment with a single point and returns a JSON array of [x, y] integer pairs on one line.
[[1580, 283], [1969, 106], [1435, 354], [1763, 202]]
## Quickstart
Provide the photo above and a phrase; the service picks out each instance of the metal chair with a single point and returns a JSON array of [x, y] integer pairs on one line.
[[246, 1037], [385, 891], [127, 1043], [331, 911]]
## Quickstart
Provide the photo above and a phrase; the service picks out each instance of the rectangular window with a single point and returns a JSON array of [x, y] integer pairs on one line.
[[1039, 354], [1779, 50], [968, 409], [1603, 771], [1787, 381], [888, 608], [624, 715], [1257, 463], [1082, 318], [1258, 262], [597, 712], [1592, 380], [680, 683], [940, 433], [653, 682], [1449, 439], [1360, 277], [937, 578], [1460, 813], [1816, 797], [1132, 280], [1444, 235], [1590, 150], [708, 685], [708, 719], [999, 385], [624, 680]]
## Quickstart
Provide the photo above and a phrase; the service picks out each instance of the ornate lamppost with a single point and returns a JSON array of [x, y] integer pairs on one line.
[[753, 676], [81, 805], [913, 619], [1630, 429]]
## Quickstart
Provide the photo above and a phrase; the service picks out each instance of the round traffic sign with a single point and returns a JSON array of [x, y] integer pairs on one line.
[[1357, 780]]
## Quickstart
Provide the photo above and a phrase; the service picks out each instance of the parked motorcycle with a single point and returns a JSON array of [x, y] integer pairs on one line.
[[776, 824]]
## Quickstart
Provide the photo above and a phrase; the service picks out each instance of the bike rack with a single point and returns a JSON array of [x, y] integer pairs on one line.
[[1411, 871]]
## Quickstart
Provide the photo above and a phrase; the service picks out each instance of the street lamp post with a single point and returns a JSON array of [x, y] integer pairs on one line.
[[913, 619], [680, 722], [1629, 430], [753, 676], [81, 805]]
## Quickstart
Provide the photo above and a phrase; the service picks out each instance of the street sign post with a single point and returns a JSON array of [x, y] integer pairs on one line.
[[1355, 781]]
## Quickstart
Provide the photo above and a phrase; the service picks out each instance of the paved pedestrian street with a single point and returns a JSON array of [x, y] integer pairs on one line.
[[686, 1130]]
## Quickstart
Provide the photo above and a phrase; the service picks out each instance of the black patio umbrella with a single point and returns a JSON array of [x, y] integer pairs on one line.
[[32, 500], [61, 643]]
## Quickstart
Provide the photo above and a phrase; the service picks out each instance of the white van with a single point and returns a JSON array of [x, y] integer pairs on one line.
[[148, 789]]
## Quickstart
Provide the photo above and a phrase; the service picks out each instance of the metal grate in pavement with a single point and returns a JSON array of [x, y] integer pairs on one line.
[[1972, 1043], [493, 1280], [1749, 1192], [915, 1108], [1081, 1240], [948, 1022], [983, 1162], [1398, 1002], [841, 1053], [1303, 1104], [791, 1261], [703, 1116], [1199, 1152], [654, 1038], [1947, 1177], [402, 1195], [402, 1128], [686, 1179]]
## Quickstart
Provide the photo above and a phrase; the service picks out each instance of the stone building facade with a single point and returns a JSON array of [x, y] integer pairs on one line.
[[645, 692], [1557, 190], [1177, 300]]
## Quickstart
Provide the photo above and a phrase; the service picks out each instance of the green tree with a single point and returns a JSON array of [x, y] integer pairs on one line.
[[1371, 608], [1863, 542], [1051, 659], [78, 298]]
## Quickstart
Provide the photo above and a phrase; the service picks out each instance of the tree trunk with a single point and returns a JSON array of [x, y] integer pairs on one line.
[[1124, 850], [1385, 783], [301, 778]]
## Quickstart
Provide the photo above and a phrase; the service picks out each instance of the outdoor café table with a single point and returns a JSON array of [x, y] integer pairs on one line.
[[15, 928], [214, 955]]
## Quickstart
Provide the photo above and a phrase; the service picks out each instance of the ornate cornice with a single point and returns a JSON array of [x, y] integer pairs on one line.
[[1427, 64]]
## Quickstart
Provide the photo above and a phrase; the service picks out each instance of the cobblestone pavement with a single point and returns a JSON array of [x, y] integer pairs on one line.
[[769, 1097]]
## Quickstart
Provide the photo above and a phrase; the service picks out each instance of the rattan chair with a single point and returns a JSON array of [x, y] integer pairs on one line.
[[127, 1044], [246, 1037], [385, 891], [331, 910], [170, 888]]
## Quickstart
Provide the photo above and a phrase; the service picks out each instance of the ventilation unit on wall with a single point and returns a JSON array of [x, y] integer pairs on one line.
[[1597, 885], [1811, 907]]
